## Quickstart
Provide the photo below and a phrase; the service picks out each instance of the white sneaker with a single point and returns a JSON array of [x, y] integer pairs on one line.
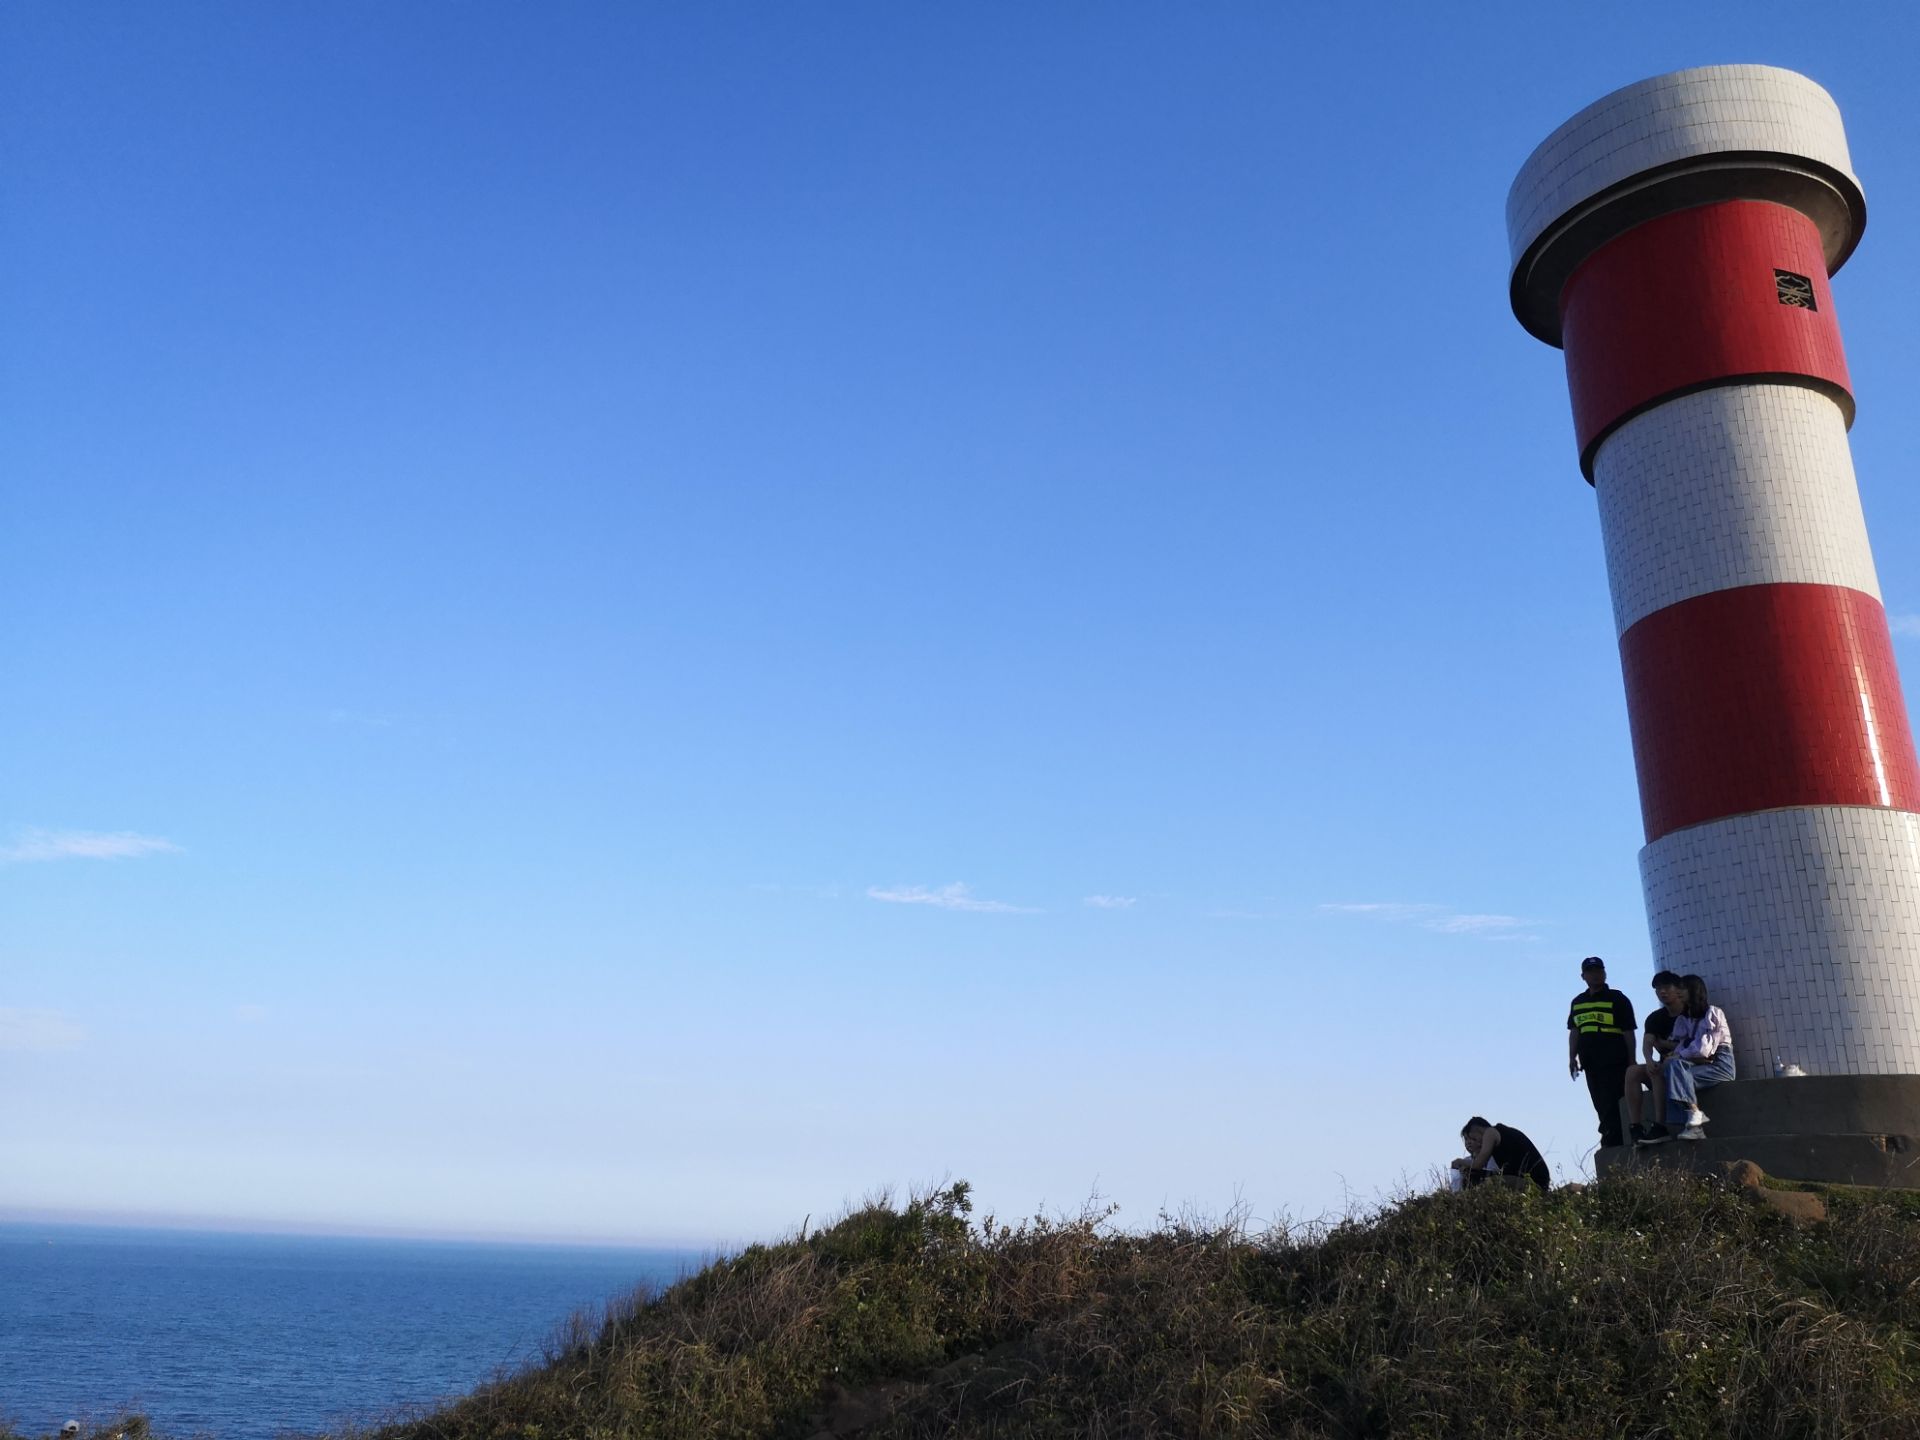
[[1696, 1118], [1692, 1132]]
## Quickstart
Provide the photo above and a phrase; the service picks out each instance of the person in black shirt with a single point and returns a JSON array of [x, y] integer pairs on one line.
[[1600, 1042], [1656, 1042], [1511, 1152]]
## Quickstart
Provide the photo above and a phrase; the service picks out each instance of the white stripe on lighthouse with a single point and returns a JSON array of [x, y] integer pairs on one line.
[[1805, 924], [1737, 485]]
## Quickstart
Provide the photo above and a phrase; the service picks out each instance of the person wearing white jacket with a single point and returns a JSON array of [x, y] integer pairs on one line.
[[1702, 1057]]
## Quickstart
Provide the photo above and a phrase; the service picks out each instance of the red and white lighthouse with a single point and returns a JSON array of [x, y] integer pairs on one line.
[[1676, 239]]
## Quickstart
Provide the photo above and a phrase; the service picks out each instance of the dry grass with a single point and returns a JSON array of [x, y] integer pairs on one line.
[[1651, 1307], [1657, 1307]]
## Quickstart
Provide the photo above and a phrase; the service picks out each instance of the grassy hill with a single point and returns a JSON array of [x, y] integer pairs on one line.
[[1663, 1306]]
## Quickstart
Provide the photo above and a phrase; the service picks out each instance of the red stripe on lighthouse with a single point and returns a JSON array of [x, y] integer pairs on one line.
[[1764, 696], [1692, 299]]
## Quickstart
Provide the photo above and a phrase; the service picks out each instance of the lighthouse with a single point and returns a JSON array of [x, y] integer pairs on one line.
[[1676, 240]]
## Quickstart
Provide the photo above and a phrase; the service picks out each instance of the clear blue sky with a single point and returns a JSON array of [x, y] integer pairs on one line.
[[633, 621]]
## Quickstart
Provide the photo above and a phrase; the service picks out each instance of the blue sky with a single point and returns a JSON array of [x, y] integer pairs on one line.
[[630, 622]]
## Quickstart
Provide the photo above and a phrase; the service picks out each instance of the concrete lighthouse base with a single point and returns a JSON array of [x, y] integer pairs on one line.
[[1837, 1129]]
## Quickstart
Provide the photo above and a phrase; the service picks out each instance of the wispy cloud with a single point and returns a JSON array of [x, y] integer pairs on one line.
[[1385, 910], [34, 845], [1906, 624], [250, 1014], [945, 897], [1476, 924], [1440, 918], [38, 1032], [1111, 902]]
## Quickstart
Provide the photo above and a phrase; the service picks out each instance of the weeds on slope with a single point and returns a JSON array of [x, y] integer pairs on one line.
[[1661, 1307]]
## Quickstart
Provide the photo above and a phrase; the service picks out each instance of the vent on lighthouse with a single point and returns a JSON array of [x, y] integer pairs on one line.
[[1794, 290]]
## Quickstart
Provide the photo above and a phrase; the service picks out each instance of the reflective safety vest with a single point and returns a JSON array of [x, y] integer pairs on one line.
[[1596, 1017]]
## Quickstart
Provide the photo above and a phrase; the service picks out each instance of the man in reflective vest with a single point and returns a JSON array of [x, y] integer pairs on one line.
[[1600, 1034]]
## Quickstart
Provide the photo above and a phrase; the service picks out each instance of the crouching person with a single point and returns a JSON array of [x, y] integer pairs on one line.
[[1702, 1057], [1498, 1150]]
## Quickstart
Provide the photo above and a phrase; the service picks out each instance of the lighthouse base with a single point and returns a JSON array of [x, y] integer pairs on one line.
[[1836, 1129]]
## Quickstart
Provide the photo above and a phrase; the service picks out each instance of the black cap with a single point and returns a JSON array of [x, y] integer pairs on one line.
[[1593, 962]]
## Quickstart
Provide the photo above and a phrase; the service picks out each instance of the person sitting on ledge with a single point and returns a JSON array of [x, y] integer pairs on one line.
[[1702, 1056], [1656, 1040], [1498, 1150]]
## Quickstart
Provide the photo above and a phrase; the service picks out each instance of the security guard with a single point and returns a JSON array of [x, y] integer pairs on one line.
[[1600, 1033]]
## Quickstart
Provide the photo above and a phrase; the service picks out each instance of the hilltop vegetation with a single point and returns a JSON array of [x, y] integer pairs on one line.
[[1662, 1306]]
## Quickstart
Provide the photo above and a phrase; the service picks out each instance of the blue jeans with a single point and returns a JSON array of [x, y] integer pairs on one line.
[[1684, 1081]]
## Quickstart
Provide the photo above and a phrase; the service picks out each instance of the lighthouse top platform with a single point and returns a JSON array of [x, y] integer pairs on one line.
[[1693, 137]]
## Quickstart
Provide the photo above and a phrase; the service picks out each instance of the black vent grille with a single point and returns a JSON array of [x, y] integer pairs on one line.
[[1794, 290]]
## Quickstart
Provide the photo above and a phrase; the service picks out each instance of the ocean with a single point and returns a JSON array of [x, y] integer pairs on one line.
[[245, 1337]]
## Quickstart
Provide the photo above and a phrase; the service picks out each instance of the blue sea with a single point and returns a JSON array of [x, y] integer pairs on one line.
[[244, 1337]]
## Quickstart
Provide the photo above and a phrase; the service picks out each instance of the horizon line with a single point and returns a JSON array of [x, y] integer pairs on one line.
[[253, 1226]]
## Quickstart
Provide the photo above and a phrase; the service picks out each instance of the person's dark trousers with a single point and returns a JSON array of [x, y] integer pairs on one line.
[[1606, 1084]]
